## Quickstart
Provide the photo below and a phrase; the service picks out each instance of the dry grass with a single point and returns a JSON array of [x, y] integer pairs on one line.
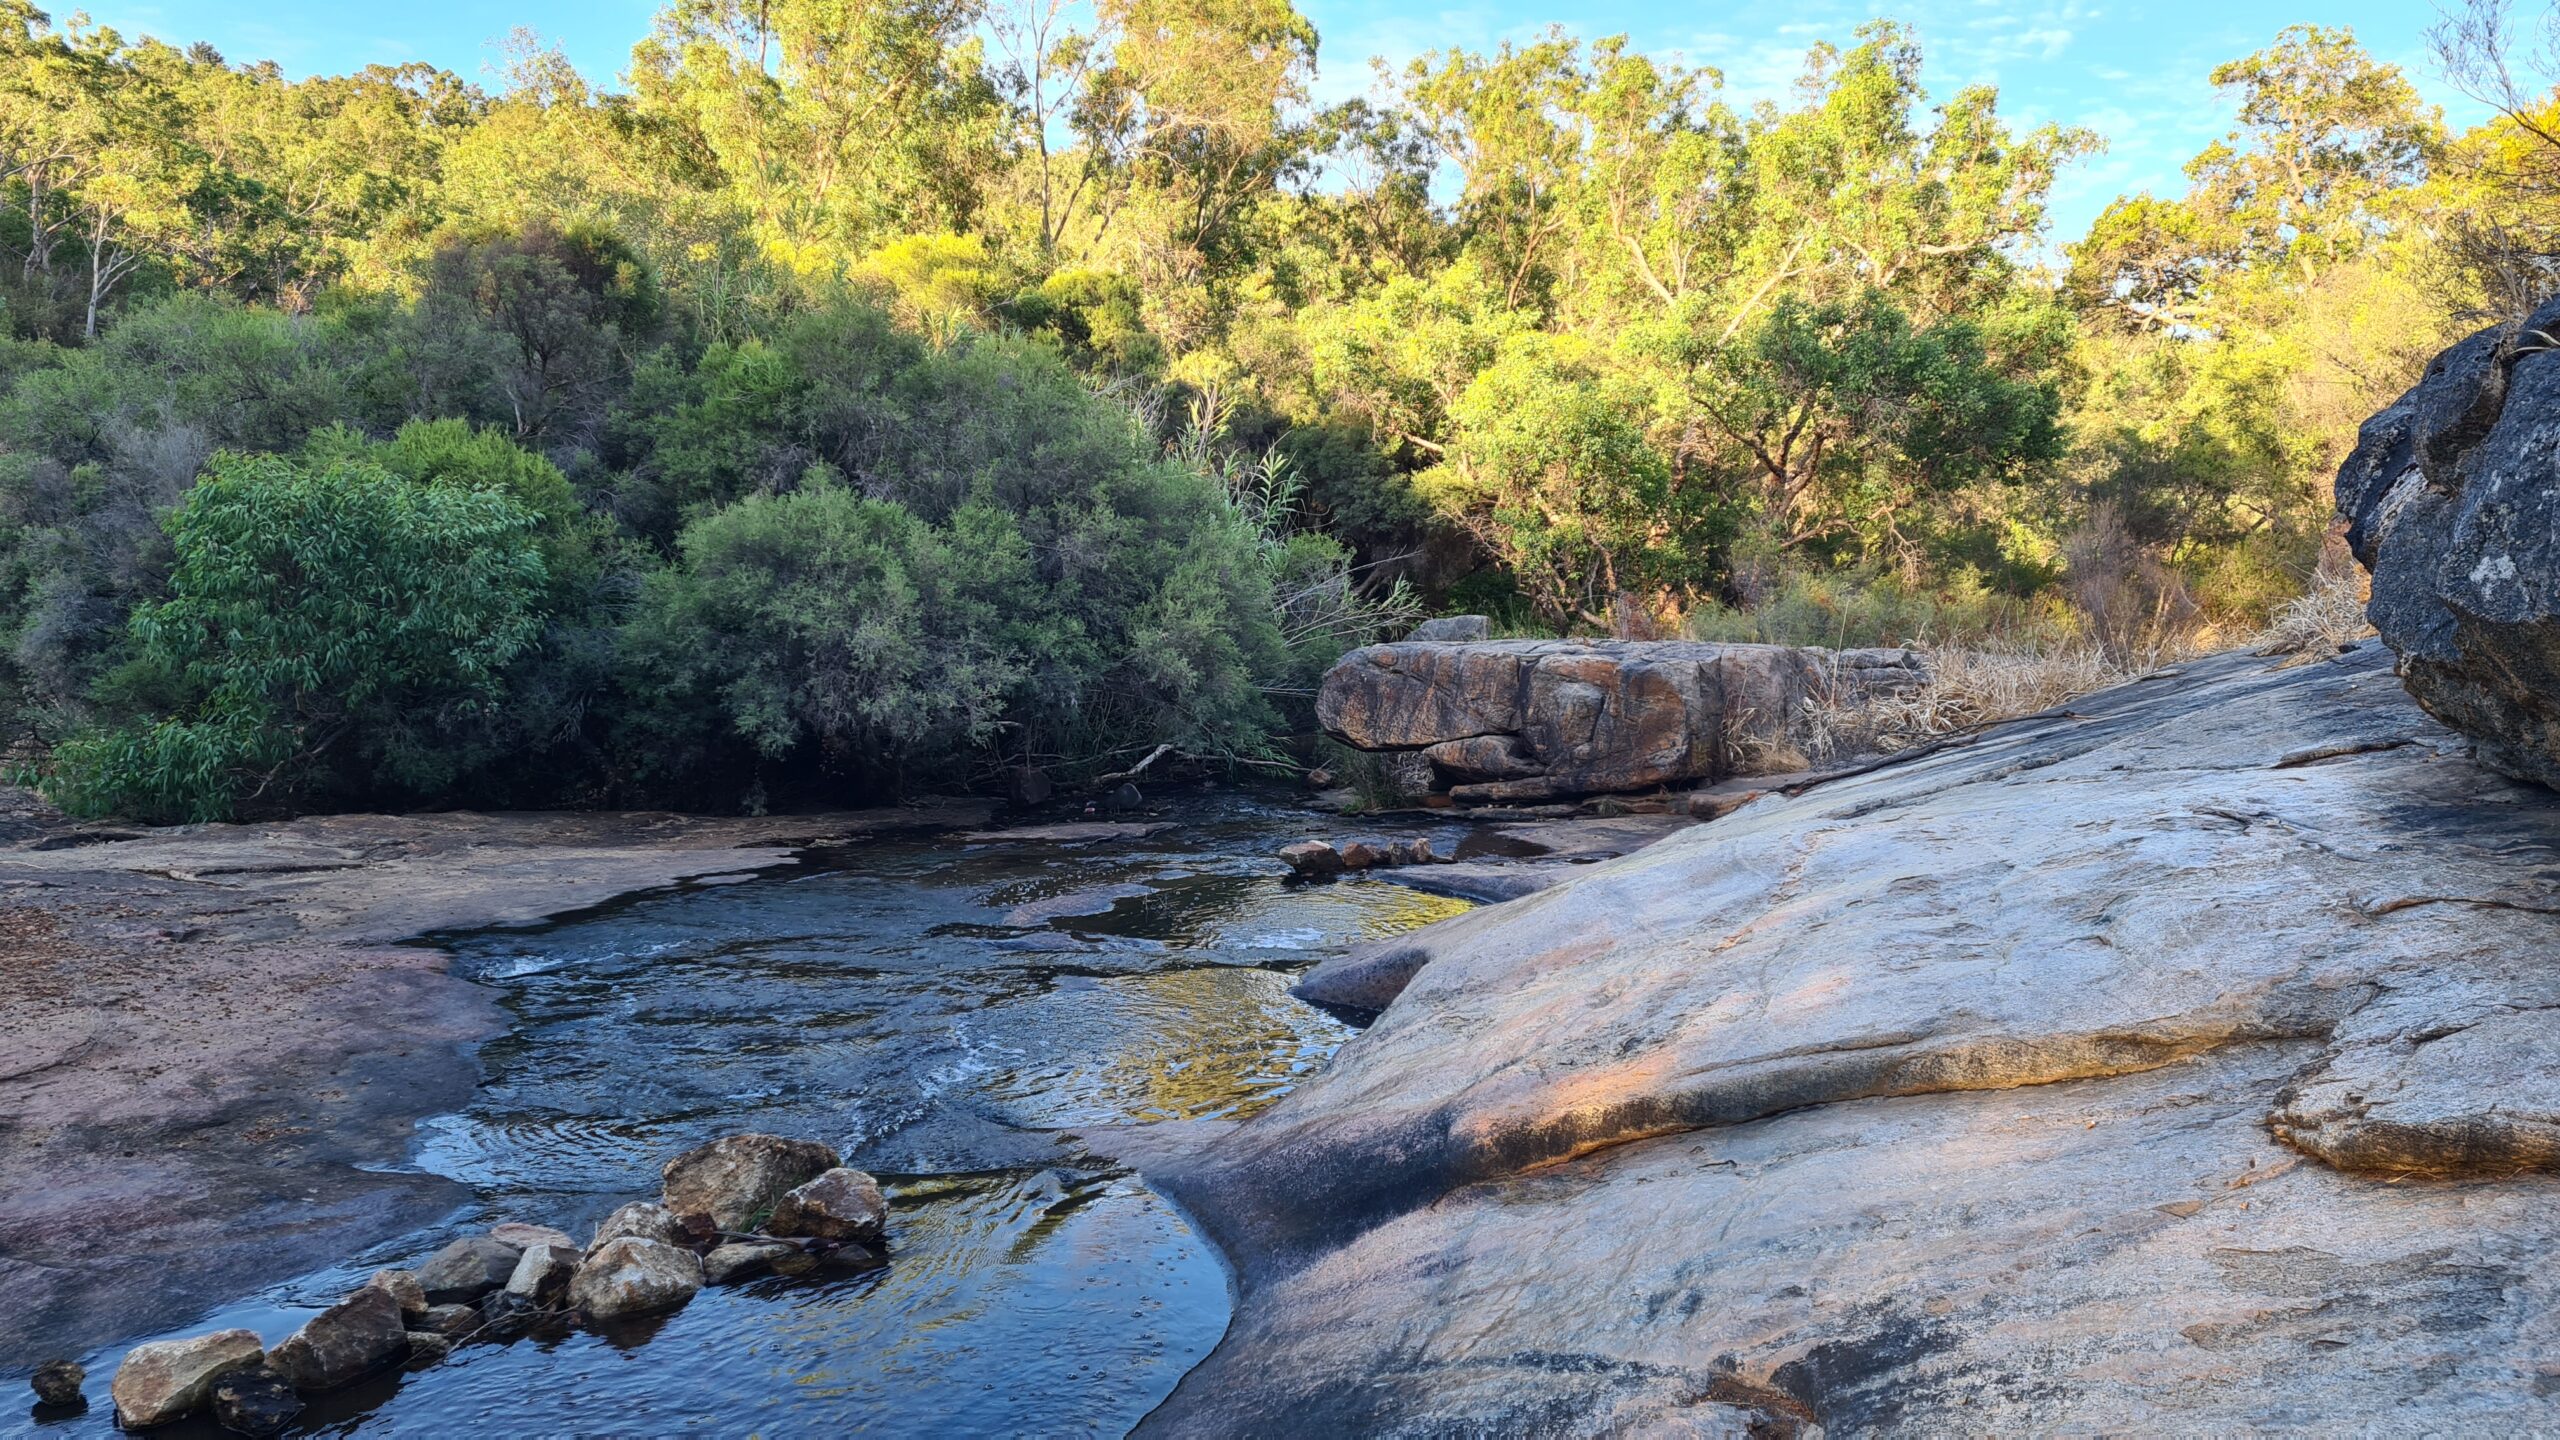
[[2321, 622], [1969, 686]]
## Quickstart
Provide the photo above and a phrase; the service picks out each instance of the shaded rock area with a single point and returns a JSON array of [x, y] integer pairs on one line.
[[2174, 1065], [2450, 504], [1507, 721], [191, 1013]]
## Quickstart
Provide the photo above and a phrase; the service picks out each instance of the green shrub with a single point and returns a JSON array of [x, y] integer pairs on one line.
[[323, 627]]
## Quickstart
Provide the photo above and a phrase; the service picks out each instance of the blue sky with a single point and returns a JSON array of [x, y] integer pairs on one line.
[[2133, 70]]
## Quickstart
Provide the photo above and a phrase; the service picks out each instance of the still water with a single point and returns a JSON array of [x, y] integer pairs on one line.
[[945, 1013]]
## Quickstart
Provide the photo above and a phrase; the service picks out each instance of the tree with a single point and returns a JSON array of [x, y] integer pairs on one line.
[[1850, 415], [321, 627]]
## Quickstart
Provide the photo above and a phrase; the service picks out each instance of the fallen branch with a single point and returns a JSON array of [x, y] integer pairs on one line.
[[1122, 777]]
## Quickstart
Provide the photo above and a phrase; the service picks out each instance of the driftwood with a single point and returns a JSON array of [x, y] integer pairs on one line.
[[1122, 777]]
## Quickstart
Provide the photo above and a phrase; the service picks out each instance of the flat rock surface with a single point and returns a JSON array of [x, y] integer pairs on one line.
[[207, 1031], [2164, 1066]]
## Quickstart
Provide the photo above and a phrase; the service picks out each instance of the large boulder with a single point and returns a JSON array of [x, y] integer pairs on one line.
[[2181, 1064], [465, 1270], [344, 1343], [735, 1180], [632, 1277], [170, 1379], [1511, 720], [2451, 502], [839, 1205]]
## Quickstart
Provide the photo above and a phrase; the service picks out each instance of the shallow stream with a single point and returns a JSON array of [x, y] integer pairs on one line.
[[944, 1012]]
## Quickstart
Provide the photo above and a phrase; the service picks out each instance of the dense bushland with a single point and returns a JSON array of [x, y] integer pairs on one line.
[[899, 394]]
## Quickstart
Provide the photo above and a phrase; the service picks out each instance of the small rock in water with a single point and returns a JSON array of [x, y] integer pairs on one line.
[[1418, 851], [451, 1321], [503, 1314], [743, 1260], [1312, 858], [1360, 855], [525, 1237], [403, 1286], [543, 1273], [344, 1343], [735, 1180], [466, 1270], [256, 1401], [839, 1205], [169, 1379], [641, 1219], [426, 1349], [631, 1277], [58, 1382]]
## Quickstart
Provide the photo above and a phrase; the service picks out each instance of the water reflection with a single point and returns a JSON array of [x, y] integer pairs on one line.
[[947, 1015]]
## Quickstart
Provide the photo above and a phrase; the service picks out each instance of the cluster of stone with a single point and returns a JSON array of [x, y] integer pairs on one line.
[[739, 1207], [1316, 859]]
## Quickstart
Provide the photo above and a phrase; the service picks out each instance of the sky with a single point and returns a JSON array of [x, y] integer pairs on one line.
[[2132, 70]]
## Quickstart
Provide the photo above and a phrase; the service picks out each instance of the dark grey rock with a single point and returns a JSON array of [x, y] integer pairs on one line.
[[466, 1270], [2450, 504], [257, 1401], [57, 1382], [344, 1343], [452, 1321]]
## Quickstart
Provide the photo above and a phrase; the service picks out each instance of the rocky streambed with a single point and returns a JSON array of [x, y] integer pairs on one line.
[[952, 1008]]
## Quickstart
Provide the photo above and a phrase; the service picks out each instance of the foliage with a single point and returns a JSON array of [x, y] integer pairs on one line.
[[325, 628], [886, 393]]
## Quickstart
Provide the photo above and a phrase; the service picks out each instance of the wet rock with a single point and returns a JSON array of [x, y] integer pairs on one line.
[[736, 1179], [1417, 851], [1092, 900], [2450, 506], [503, 1314], [525, 1237], [427, 1348], [842, 1204], [542, 1274], [167, 1380], [1123, 798], [466, 1270], [1527, 720], [58, 1382], [743, 1260], [344, 1343], [631, 1277], [452, 1321], [1312, 858], [402, 1286], [1360, 855], [1366, 977], [641, 1219], [255, 1401], [1453, 630]]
